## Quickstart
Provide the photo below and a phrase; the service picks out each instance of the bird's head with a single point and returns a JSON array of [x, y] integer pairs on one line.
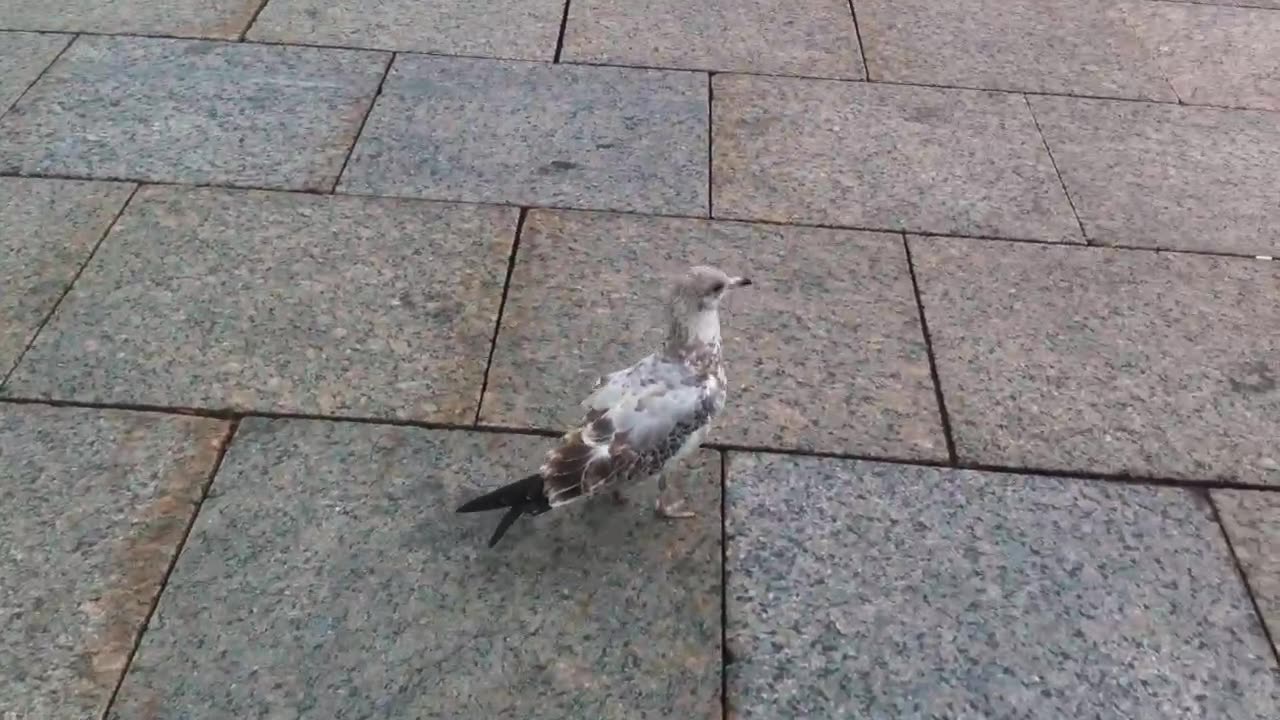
[[701, 289]]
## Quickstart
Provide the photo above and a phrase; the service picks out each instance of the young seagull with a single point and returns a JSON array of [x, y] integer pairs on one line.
[[641, 421]]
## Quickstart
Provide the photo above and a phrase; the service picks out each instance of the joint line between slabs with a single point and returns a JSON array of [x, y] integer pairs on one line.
[[262, 5], [564, 26], [862, 48], [40, 76], [1244, 577], [943, 415], [502, 307], [711, 157], [227, 438], [1061, 181], [725, 658], [373, 102]]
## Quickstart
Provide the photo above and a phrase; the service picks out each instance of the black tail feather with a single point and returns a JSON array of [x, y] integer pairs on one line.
[[520, 497]]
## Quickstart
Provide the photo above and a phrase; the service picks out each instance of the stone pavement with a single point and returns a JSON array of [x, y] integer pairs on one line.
[[285, 281]]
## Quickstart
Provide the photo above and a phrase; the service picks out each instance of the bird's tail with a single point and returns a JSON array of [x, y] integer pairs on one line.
[[521, 497]]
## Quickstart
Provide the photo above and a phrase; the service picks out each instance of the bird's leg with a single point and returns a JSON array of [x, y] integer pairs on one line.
[[671, 500], [617, 497]]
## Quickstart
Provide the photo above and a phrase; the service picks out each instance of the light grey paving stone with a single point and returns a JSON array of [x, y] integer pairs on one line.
[[1215, 55], [880, 156], [47, 230], [536, 134], [23, 56], [281, 302], [329, 570], [95, 504], [516, 29], [1167, 176], [892, 591], [192, 111], [823, 352], [1106, 360], [224, 19], [786, 37], [1252, 521], [1059, 46]]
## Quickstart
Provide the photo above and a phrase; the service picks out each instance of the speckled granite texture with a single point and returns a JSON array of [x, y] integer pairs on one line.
[[284, 302], [95, 503], [47, 230], [517, 29], [823, 352], [1252, 521], [1081, 47], [1215, 55], [1106, 360], [536, 134], [224, 19], [786, 37], [881, 156], [23, 56], [193, 112], [1167, 176], [889, 591], [328, 570]]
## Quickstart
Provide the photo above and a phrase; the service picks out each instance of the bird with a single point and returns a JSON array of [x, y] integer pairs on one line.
[[639, 422]]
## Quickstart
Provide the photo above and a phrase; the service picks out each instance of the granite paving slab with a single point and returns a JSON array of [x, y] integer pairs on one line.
[[809, 37], [282, 302], [1099, 360], [1058, 46], [23, 56], [1167, 176], [881, 156], [823, 352], [1215, 55], [192, 111], [536, 134], [515, 29], [871, 590], [48, 228], [224, 19], [328, 569], [1252, 521], [1270, 4], [96, 503]]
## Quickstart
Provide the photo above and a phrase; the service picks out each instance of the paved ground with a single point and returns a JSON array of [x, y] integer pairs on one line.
[[285, 281]]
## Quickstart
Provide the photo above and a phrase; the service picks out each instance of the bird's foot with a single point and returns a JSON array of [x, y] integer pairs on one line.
[[617, 498], [673, 510]]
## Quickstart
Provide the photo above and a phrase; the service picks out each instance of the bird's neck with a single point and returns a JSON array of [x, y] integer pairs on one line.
[[694, 337]]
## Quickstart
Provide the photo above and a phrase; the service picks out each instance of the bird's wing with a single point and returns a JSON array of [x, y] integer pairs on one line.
[[636, 419]]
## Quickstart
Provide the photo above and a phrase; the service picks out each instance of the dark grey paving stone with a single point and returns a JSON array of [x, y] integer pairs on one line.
[[23, 56], [809, 37], [1167, 176], [328, 569], [224, 19], [536, 134], [193, 112], [95, 503], [283, 302], [823, 352], [516, 29], [870, 590], [1215, 55], [1252, 521], [1057, 46], [47, 230], [1100, 360], [881, 156]]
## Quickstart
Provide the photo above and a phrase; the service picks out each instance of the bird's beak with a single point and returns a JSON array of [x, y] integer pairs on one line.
[[739, 282]]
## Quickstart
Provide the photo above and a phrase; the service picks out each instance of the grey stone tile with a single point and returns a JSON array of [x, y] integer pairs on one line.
[[1252, 521], [23, 56], [1060, 46], [47, 230], [809, 37], [1239, 3], [883, 591], [1106, 360], [1215, 55], [224, 19], [515, 29], [282, 302], [823, 352], [194, 112], [95, 506], [536, 134], [880, 156], [1167, 176], [328, 569]]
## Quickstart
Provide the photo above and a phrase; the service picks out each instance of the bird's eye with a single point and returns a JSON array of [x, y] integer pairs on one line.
[[718, 287]]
